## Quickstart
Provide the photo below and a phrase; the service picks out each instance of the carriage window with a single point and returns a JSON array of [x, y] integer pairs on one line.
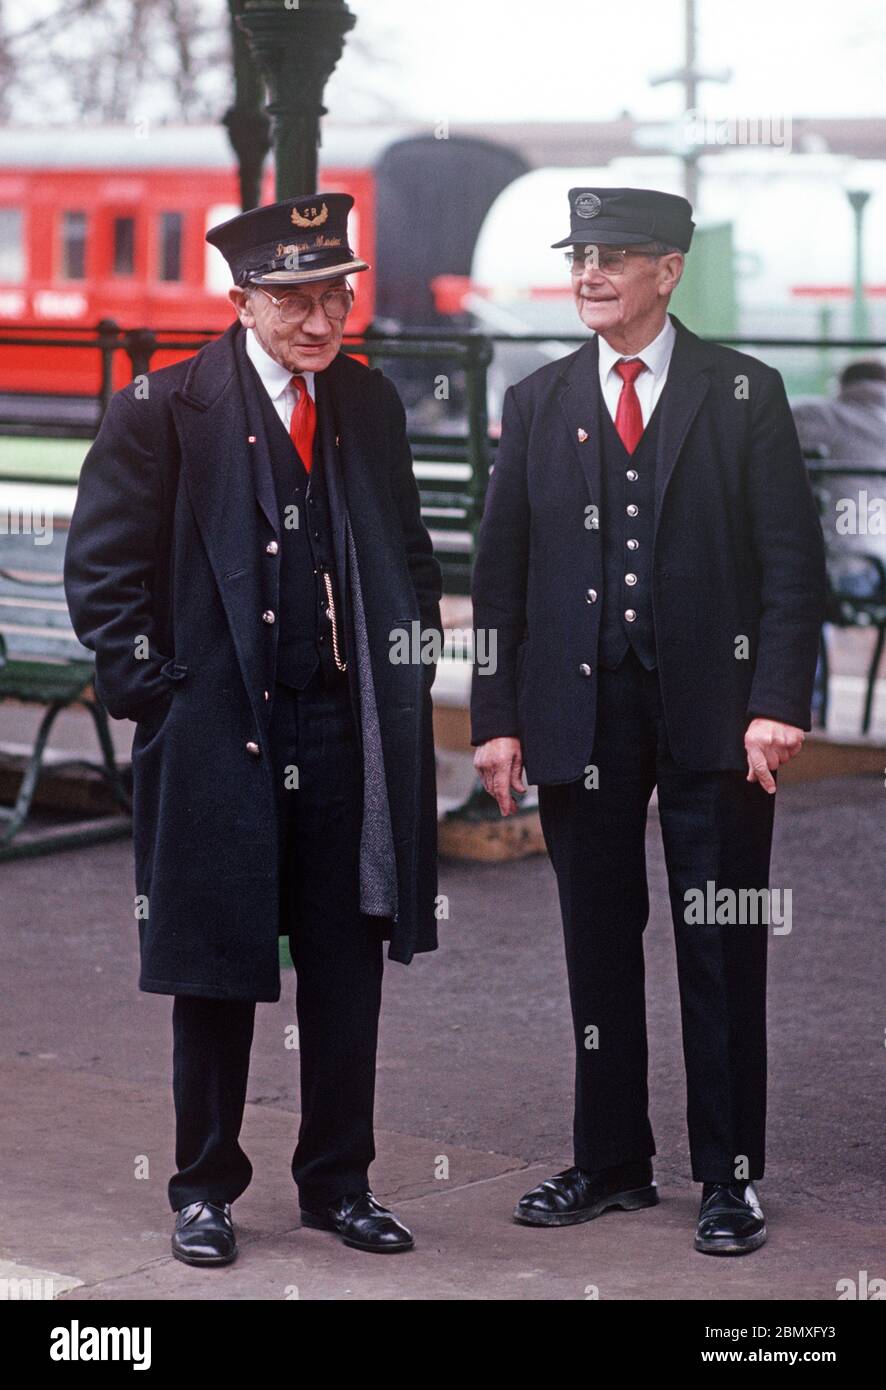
[[12, 251], [74, 245], [171, 245], [124, 245]]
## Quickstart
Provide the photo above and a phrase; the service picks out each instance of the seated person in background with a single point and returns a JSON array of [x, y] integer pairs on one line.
[[851, 427]]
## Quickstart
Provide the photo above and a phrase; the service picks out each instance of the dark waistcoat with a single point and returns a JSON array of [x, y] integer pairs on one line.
[[304, 637], [628, 480]]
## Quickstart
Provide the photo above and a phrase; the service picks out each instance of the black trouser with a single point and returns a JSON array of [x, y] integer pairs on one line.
[[716, 827], [337, 953]]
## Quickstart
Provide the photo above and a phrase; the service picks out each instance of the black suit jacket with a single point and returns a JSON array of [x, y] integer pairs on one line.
[[738, 554]]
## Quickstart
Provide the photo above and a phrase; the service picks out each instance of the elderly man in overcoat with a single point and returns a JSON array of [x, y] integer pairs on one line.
[[651, 562], [245, 550]]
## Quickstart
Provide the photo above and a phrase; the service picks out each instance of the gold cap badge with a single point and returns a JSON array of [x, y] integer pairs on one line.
[[313, 217]]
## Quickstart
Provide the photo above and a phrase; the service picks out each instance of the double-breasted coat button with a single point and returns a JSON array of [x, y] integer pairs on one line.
[[633, 545], [591, 595], [267, 696], [268, 616], [632, 509], [585, 669], [632, 475], [253, 748], [630, 579], [630, 615], [271, 548]]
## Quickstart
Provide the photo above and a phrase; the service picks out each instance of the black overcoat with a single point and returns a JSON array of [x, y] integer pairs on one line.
[[738, 554], [166, 575]]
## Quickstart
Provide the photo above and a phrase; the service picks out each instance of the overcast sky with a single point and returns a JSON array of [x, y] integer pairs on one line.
[[576, 59], [461, 60]]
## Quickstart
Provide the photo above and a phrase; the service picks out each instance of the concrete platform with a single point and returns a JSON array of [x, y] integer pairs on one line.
[[109, 1239], [474, 1083]]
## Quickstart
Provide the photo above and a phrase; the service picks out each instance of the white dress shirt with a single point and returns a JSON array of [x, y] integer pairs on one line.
[[277, 380], [649, 384]]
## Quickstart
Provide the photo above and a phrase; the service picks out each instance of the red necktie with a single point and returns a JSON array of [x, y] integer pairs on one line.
[[629, 416], [303, 424]]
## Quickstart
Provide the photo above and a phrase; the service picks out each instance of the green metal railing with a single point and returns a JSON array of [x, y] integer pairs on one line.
[[452, 505], [452, 498]]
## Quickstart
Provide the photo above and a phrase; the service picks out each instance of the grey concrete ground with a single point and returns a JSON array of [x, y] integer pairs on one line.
[[473, 1096]]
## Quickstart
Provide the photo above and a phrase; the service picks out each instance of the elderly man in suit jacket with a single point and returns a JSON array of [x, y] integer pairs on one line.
[[245, 549], [651, 563]]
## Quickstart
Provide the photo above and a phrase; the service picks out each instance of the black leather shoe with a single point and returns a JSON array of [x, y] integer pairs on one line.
[[363, 1223], [204, 1234], [574, 1195], [731, 1220]]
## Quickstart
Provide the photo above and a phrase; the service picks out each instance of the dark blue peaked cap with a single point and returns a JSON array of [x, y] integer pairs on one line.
[[628, 217], [289, 243]]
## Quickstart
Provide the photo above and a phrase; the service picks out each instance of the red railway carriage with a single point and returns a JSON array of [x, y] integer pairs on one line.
[[110, 224]]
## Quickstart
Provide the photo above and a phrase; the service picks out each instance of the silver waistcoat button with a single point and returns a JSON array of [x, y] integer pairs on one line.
[[632, 509], [633, 545], [632, 475], [630, 579], [630, 615]]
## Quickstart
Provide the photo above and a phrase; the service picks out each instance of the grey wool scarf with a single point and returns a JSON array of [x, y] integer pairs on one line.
[[378, 862]]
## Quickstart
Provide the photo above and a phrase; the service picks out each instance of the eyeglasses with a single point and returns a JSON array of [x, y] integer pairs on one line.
[[610, 260], [295, 307]]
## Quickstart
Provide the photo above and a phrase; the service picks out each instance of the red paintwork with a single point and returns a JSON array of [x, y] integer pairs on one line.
[[836, 291], [140, 300], [451, 293]]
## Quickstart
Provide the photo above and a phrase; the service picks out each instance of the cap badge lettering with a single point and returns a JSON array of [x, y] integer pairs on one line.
[[313, 217]]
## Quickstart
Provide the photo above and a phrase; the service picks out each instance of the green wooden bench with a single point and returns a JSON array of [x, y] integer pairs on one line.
[[449, 507], [43, 663], [452, 459]]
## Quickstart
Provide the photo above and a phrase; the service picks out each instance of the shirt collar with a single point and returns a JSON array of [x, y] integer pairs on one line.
[[274, 377], [656, 354]]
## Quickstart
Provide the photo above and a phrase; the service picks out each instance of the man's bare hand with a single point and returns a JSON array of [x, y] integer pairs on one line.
[[500, 765], [769, 743]]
